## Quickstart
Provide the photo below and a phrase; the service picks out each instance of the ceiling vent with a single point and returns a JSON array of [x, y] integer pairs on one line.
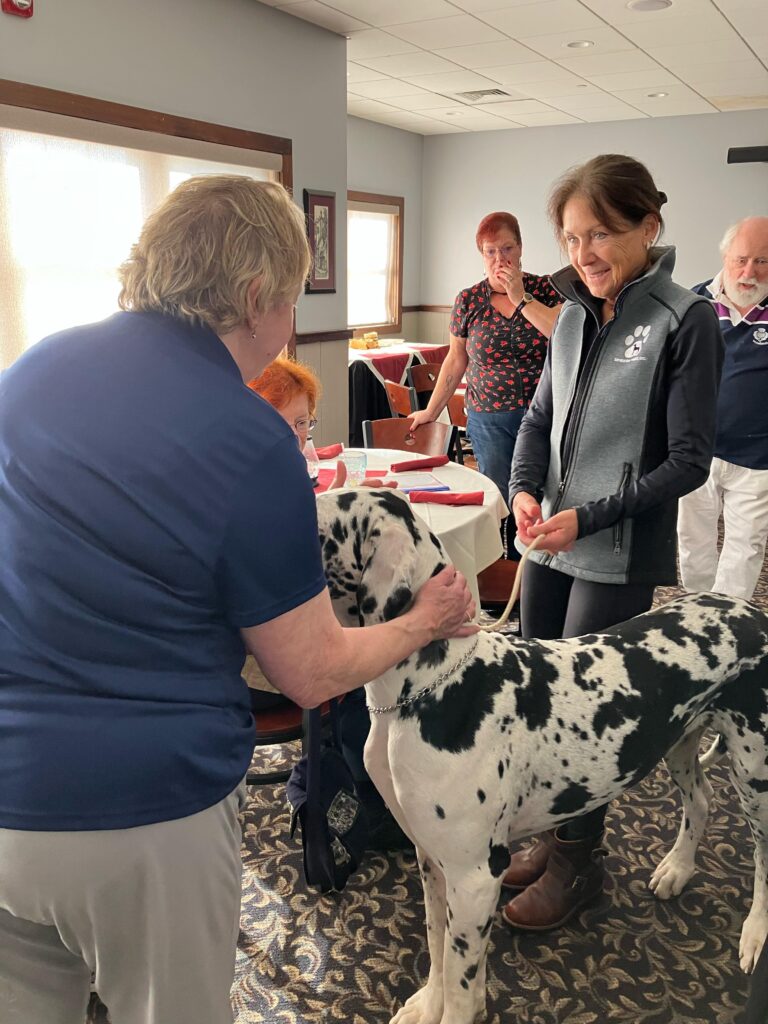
[[483, 96]]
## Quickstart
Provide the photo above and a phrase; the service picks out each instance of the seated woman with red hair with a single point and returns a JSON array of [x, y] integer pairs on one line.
[[293, 390]]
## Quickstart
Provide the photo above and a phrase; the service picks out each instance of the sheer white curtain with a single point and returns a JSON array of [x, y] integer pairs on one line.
[[70, 209], [372, 241]]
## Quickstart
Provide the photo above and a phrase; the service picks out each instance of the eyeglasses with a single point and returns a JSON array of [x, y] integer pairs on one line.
[[303, 426], [506, 252]]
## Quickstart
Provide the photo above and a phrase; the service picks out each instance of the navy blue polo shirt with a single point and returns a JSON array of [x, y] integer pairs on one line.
[[151, 506]]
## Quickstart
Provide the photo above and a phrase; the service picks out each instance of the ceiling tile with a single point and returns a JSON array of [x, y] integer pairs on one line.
[[679, 55], [421, 101], [724, 72], [486, 55], [627, 113], [608, 63], [402, 119], [616, 12], [759, 44], [555, 46], [651, 78], [477, 120], [358, 73], [540, 71], [458, 81], [589, 101], [457, 31], [480, 6], [543, 90], [739, 102], [513, 110], [393, 12], [536, 19], [374, 43], [708, 24], [679, 99], [385, 88], [326, 17], [442, 128], [416, 63], [367, 108], [552, 117]]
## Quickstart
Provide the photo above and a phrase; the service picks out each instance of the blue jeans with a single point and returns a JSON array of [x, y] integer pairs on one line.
[[493, 436]]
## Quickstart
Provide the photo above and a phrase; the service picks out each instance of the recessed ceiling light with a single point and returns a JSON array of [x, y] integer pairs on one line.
[[657, 95], [649, 5], [580, 44], [582, 85]]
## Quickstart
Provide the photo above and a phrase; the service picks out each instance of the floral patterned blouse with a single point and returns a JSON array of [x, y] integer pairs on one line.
[[506, 355]]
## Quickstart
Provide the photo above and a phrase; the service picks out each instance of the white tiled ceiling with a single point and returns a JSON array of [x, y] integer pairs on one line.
[[410, 61]]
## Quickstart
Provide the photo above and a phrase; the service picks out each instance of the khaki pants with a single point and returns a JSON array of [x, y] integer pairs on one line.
[[152, 911]]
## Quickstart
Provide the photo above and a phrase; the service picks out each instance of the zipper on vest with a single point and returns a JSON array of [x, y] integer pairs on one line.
[[618, 526]]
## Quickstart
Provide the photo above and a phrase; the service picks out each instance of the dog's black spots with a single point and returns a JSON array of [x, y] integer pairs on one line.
[[460, 946], [339, 531], [486, 927], [450, 718], [366, 601], [471, 972], [571, 799], [564, 762], [345, 500], [758, 785], [520, 801], [498, 859], [622, 707], [501, 769], [330, 548], [481, 796], [557, 737], [432, 655], [532, 697], [449, 912], [464, 983], [439, 811], [397, 602], [396, 505]]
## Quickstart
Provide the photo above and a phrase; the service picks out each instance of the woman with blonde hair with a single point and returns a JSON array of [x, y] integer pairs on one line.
[[157, 522]]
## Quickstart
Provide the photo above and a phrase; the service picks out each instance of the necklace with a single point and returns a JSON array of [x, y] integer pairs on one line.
[[389, 708]]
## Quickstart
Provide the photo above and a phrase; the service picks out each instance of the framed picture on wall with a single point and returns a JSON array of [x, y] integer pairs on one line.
[[320, 211]]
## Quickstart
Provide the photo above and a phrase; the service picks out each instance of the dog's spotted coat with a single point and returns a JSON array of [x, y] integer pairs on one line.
[[530, 733]]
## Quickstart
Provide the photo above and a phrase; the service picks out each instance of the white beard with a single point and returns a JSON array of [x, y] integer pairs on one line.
[[741, 296]]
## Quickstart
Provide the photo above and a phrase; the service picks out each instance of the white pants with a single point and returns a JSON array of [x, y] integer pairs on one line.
[[152, 911], [742, 496]]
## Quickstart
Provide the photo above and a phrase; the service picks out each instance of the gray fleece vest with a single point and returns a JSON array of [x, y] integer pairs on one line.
[[609, 422]]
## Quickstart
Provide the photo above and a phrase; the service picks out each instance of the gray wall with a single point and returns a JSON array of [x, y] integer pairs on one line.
[[232, 62], [467, 176], [390, 161]]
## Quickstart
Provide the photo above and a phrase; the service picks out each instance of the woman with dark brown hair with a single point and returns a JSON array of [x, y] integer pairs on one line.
[[621, 426], [499, 330]]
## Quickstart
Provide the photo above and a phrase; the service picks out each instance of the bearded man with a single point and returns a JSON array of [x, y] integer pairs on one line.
[[738, 480]]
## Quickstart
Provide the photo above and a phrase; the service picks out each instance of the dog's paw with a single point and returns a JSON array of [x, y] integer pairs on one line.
[[423, 1007], [753, 935], [671, 876]]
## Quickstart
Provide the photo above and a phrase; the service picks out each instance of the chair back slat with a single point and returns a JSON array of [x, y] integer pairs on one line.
[[456, 410], [429, 439], [423, 376], [402, 399]]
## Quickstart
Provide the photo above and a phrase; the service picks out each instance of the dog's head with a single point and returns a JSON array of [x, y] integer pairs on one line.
[[376, 553]]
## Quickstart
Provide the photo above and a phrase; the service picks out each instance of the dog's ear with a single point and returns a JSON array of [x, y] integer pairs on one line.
[[386, 587]]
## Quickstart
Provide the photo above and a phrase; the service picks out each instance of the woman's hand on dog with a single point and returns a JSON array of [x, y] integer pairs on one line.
[[447, 605]]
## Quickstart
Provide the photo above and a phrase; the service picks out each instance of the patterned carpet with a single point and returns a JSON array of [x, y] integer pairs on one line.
[[628, 959]]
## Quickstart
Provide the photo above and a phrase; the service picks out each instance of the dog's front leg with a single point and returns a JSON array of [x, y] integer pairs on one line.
[[472, 895], [426, 1005]]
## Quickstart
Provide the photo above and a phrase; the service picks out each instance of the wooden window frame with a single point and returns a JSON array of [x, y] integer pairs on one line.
[[54, 101], [376, 199]]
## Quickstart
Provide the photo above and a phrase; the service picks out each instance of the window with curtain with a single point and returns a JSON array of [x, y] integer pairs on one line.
[[70, 209], [374, 260]]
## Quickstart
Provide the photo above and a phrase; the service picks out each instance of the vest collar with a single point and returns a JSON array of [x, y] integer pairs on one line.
[[570, 286]]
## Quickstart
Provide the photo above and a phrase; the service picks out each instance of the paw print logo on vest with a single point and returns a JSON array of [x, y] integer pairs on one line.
[[634, 342]]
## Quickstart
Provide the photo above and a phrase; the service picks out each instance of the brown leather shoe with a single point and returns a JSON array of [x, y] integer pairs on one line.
[[573, 877], [529, 863]]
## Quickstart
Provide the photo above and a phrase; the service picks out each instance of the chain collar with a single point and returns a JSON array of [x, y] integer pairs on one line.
[[389, 708]]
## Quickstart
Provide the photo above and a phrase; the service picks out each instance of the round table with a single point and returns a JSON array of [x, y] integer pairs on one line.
[[470, 534]]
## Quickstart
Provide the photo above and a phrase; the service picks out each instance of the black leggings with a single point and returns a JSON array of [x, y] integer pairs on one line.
[[555, 606]]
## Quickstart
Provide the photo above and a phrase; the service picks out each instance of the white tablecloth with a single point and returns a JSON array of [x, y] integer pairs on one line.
[[469, 533]]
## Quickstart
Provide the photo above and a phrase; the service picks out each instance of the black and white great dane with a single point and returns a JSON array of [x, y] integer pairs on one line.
[[476, 742]]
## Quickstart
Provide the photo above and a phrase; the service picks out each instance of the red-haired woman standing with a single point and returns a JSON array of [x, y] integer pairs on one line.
[[499, 331]]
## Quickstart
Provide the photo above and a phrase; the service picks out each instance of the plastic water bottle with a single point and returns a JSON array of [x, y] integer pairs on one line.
[[313, 463]]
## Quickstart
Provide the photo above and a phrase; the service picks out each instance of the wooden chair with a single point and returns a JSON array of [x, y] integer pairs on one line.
[[429, 439], [402, 399], [422, 377], [495, 583], [457, 414]]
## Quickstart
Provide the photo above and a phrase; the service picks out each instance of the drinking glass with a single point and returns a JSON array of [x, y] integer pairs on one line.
[[356, 463], [313, 463]]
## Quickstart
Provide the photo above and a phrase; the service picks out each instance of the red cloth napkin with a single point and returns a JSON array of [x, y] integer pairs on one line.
[[447, 497], [325, 478], [330, 451], [430, 463]]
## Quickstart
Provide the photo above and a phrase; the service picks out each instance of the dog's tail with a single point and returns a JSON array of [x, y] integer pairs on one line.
[[715, 753]]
